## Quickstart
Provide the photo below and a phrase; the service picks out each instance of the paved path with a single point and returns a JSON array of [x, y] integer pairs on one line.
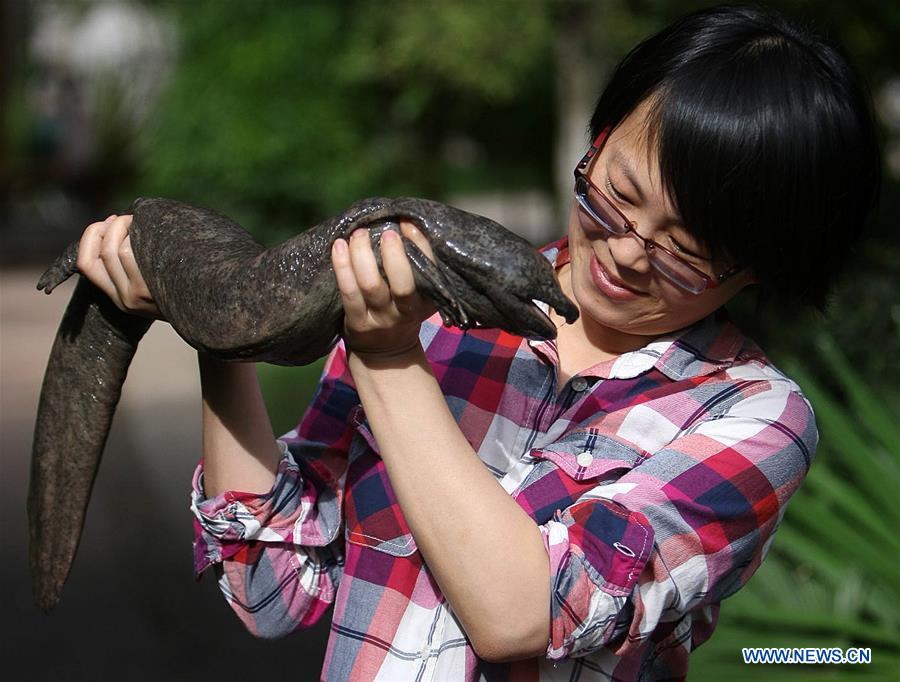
[[131, 609]]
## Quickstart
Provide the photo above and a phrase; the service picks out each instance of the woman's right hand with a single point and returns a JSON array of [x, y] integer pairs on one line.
[[106, 259]]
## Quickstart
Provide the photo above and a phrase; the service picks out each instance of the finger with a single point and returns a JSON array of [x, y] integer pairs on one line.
[[372, 285], [351, 297], [423, 307], [410, 231], [126, 257], [398, 270], [89, 263], [109, 254], [89, 245]]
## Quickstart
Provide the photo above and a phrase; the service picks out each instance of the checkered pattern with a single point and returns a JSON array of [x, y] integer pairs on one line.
[[657, 480]]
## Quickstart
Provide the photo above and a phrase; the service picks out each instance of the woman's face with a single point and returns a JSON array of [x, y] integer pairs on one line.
[[618, 291]]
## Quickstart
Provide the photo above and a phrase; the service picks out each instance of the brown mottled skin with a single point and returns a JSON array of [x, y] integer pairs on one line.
[[227, 295]]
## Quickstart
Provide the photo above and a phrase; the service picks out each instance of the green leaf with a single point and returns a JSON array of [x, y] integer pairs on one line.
[[882, 425]]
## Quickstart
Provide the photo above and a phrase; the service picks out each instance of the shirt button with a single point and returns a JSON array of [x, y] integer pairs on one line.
[[585, 459], [579, 384]]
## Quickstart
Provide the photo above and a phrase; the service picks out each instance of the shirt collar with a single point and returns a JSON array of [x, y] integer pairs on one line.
[[704, 347]]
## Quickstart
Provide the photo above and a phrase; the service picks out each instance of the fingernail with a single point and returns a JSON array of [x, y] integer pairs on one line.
[[390, 235], [110, 218], [340, 246]]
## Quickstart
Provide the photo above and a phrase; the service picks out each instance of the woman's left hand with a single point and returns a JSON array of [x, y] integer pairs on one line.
[[381, 318]]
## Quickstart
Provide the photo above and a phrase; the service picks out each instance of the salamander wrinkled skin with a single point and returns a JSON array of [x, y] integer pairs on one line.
[[227, 295]]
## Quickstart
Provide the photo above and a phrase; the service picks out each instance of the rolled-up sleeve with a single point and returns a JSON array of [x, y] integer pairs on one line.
[[680, 531], [279, 555], [597, 549]]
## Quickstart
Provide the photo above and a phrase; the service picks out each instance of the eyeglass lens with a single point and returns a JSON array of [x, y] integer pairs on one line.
[[597, 211]]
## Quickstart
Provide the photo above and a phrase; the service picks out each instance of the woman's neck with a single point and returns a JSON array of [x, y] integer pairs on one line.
[[586, 337], [575, 353]]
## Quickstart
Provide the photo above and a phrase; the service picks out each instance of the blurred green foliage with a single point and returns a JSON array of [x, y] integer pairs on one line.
[[281, 114]]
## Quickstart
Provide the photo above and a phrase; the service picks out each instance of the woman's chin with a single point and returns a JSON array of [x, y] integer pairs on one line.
[[631, 317]]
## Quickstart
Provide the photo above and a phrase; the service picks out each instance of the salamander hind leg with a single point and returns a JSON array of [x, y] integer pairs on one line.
[[60, 270]]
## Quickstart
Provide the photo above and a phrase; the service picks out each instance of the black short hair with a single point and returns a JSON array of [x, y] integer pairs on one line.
[[765, 138]]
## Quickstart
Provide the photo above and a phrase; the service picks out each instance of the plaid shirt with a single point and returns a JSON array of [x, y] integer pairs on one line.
[[657, 480]]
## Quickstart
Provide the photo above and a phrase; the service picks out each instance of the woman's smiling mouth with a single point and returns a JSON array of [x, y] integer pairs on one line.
[[610, 286]]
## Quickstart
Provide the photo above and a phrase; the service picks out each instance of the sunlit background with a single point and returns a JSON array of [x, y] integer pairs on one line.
[[280, 114]]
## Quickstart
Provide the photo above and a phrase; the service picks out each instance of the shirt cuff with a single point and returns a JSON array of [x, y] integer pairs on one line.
[[225, 523], [597, 551]]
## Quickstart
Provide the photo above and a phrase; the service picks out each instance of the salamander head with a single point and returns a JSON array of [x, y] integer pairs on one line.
[[495, 275]]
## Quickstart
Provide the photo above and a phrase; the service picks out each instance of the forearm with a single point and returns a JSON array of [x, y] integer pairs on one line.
[[486, 553], [239, 449]]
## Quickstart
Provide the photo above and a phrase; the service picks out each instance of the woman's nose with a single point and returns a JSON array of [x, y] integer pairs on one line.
[[628, 251]]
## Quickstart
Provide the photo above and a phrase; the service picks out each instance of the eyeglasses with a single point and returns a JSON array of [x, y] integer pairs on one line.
[[600, 210]]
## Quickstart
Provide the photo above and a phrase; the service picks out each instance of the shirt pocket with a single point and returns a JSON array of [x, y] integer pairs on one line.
[[571, 467], [372, 513]]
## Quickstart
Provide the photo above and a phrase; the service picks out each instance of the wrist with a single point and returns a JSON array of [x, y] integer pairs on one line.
[[395, 357], [374, 353]]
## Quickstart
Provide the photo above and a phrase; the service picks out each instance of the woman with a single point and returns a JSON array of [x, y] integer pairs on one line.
[[477, 504]]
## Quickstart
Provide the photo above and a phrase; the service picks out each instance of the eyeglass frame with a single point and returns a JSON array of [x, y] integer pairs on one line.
[[630, 226]]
